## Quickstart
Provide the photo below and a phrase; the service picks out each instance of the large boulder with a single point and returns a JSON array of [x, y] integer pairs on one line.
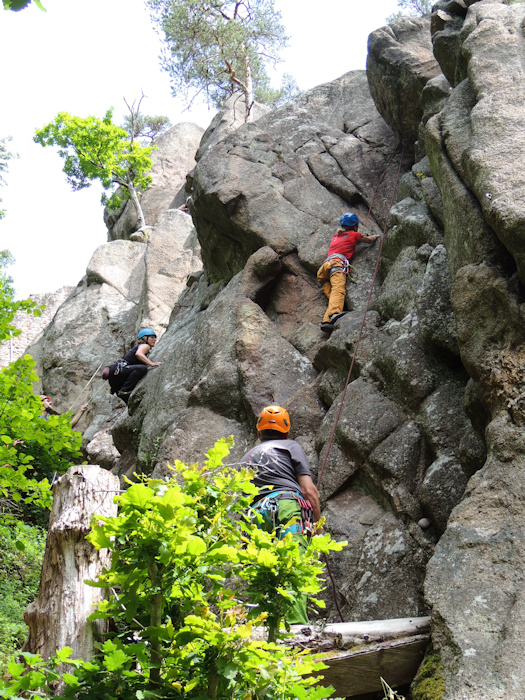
[[437, 324], [229, 118], [128, 285], [383, 406], [446, 24], [399, 64], [285, 180], [172, 158], [228, 359], [172, 256], [474, 581]]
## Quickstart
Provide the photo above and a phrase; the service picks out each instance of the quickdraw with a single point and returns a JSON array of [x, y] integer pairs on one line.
[[268, 507], [119, 364]]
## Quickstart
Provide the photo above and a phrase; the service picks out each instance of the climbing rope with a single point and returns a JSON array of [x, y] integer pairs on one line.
[[84, 389], [327, 453]]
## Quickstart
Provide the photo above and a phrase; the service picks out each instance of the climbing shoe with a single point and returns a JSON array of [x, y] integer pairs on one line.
[[327, 327], [124, 395], [336, 317]]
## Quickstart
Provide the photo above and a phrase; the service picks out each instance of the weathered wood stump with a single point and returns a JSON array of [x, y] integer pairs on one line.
[[58, 617]]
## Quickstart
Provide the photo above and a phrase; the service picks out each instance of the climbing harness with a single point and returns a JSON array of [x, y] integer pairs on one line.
[[338, 268], [268, 507], [117, 367], [345, 267]]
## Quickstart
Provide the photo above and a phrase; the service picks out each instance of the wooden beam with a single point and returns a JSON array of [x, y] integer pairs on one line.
[[343, 635], [359, 671]]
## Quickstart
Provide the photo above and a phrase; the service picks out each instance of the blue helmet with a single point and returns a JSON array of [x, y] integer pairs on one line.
[[349, 219], [146, 332]]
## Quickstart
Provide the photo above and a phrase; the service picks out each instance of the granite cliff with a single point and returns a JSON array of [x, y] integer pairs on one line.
[[424, 474]]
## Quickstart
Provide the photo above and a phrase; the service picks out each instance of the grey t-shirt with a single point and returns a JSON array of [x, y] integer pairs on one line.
[[278, 464]]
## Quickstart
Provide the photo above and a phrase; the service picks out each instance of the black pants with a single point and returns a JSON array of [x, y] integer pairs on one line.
[[130, 376]]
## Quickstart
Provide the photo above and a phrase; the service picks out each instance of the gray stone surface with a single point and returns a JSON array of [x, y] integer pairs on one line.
[[173, 158], [437, 324], [172, 255], [403, 283], [257, 186], [441, 349], [227, 120], [399, 63], [479, 612]]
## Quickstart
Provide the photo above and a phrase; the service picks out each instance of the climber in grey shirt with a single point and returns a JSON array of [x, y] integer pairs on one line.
[[280, 463]]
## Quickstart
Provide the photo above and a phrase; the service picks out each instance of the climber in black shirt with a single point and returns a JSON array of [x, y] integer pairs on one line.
[[124, 375]]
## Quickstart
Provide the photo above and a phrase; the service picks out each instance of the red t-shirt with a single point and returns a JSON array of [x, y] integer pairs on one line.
[[344, 243]]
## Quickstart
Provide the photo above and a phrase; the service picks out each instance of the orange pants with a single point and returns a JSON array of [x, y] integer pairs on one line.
[[334, 286]]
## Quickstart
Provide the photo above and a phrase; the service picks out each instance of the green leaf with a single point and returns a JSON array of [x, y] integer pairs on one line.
[[230, 671], [98, 538], [196, 546], [64, 654], [71, 680], [16, 670], [115, 660], [137, 495]]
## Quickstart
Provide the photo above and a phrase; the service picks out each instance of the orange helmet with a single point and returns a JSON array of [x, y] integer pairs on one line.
[[274, 418]]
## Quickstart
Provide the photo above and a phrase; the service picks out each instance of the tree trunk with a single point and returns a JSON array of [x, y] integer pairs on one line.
[[57, 618], [155, 620], [248, 90], [136, 203]]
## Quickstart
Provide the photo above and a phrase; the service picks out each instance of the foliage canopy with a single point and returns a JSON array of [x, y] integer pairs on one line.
[[8, 306], [17, 5], [220, 47], [186, 561], [21, 552], [412, 8], [97, 149], [31, 448]]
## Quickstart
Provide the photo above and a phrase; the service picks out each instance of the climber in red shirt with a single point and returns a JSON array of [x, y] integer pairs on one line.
[[332, 273]]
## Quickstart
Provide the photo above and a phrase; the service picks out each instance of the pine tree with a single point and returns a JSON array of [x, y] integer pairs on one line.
[[220, 47]]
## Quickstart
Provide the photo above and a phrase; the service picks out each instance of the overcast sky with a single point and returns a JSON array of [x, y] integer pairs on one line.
[[84, 57]]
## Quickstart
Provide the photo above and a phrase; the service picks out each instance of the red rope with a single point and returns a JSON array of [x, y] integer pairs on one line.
[[367, 303], [334, 588]]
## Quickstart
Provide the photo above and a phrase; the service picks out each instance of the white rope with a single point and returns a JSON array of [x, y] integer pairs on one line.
[[84, 389]]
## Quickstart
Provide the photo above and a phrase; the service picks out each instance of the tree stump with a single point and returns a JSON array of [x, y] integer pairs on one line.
[[58, 617]]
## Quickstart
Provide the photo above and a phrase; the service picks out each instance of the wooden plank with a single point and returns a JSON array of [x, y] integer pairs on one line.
[[344, 635], [357, 672]]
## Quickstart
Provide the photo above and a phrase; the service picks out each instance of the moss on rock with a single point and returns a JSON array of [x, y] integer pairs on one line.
[[429, 683]]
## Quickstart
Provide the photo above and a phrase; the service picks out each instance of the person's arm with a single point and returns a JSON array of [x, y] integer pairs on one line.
[[79, 415], [369, 239], [310, 492], [141, 353]]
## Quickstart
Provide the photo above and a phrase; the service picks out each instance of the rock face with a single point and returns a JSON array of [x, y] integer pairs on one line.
[[419, 455], [472, 582], [128, 285], [172, 159], [31, 326], [399, 64]]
